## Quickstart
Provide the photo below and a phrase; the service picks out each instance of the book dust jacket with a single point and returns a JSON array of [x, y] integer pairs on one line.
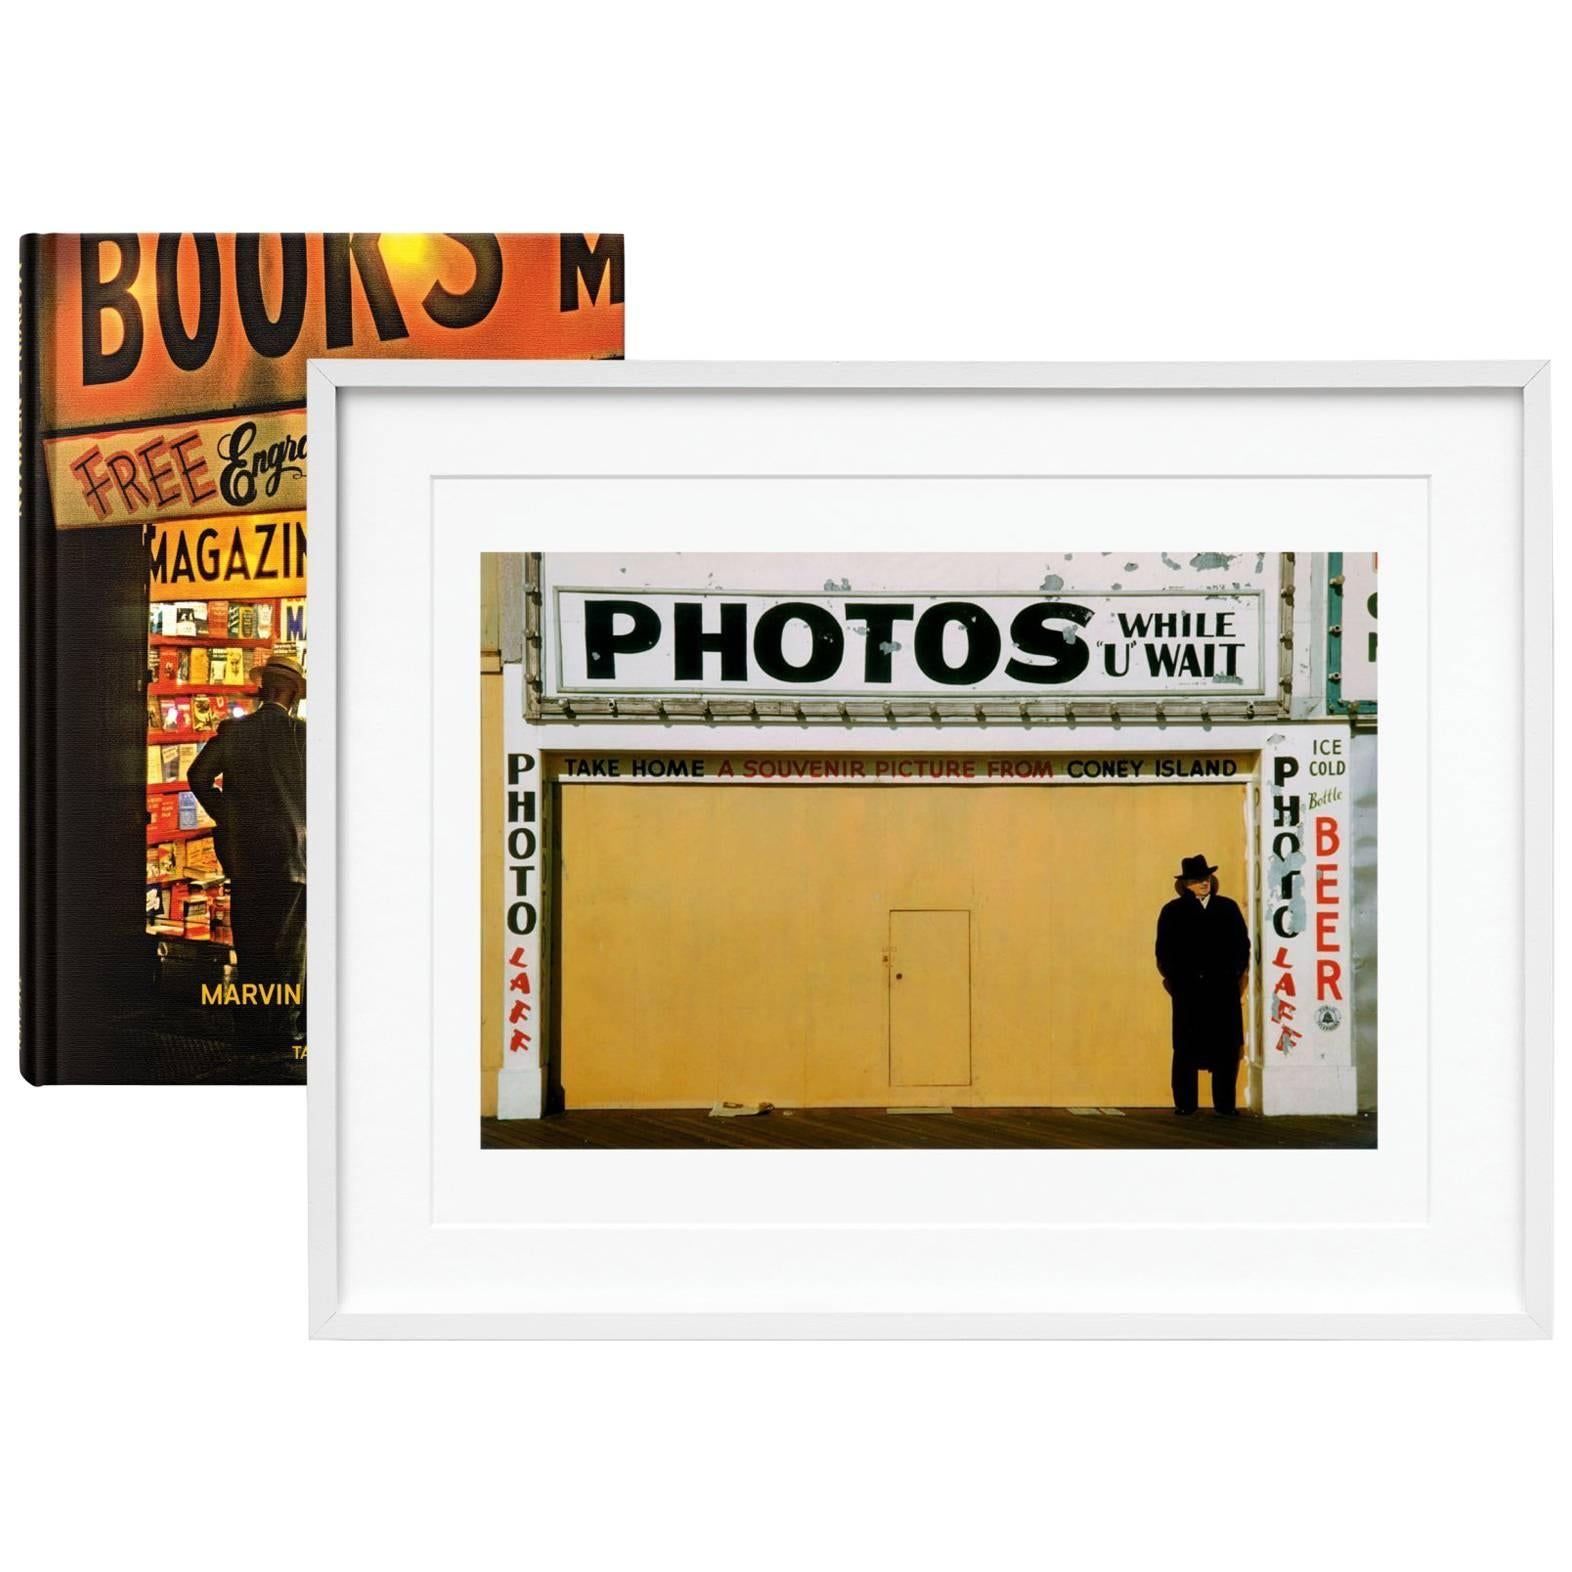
[[165, 628]]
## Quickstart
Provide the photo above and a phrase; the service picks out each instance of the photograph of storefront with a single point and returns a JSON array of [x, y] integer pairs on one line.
[[165, 562], [789, 850]]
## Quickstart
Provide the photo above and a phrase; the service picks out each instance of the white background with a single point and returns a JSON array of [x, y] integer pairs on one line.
[[839, 181]]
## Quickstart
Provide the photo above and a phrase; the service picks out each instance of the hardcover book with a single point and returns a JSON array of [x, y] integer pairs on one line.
[[164, 453]]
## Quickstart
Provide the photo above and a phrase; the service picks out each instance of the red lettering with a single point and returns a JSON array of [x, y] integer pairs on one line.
[[1327, 976], [94, 485], [1326, 883], [123, 467], [1285, 985], [518, 1013], [191, 468], [1327, 840], [519, 983], [158, 474], [517, 1041], [1325, 931]]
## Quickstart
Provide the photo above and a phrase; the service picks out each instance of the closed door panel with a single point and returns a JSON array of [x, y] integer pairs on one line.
[[930, 998]]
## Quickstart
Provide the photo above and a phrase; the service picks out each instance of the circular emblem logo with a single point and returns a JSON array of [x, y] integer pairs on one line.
[[1328, 1017]]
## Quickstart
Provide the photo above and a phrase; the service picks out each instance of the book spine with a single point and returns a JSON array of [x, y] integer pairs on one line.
[[36, 625]]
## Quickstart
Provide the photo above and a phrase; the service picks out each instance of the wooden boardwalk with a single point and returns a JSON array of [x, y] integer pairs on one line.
[[819, 1128]]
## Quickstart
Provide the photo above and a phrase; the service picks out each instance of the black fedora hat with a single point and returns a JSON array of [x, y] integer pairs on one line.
[[1196, 868]]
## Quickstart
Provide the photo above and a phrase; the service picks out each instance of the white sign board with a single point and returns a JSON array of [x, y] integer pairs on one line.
[[905, 645], [1306, 923], [521, 1080]]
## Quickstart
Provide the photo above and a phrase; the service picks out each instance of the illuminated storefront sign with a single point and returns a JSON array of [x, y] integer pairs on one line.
[[154, 326]]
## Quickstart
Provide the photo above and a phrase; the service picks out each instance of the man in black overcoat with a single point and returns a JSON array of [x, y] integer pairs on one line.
[[260, 813], [1203, 953]]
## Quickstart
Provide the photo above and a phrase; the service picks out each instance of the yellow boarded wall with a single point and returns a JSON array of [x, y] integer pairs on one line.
[[751, 944]]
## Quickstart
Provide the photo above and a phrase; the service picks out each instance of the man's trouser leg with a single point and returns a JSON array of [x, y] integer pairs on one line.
[[1225, 1079], [1184, 1083], [292, 961], [249, 930], [268, 917]]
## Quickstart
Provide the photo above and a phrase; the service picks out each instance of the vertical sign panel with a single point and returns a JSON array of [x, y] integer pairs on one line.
[[520, 1084], [1306, 923]]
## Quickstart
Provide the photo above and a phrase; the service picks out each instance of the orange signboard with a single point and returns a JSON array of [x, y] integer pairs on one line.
[[139, 327]]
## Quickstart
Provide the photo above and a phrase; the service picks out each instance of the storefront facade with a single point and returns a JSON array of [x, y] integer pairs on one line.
[[894, 831]]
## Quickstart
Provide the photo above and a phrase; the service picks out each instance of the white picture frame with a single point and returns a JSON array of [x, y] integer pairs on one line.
[[415, 465]]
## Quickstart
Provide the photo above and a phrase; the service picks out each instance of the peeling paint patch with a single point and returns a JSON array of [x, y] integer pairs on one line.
[[1287, 874], [1117, 585], [1168, 562], [1132, 567], [1211, 559], [1224, 678], [1052, 582], [889, 646], [831, 586], [1260, 562]]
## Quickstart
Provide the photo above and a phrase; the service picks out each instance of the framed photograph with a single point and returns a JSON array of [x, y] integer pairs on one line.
[[911, 850]]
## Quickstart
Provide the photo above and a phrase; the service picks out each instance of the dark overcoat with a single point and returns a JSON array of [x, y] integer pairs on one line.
[[1202, 952], [260, 810]]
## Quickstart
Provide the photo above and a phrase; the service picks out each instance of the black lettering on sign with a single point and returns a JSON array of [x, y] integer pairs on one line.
[[102, 295], [188, 351], [880, 617], [730, 641], [824, 657], [243, 468], [982, 643], [271, 336], [522, 914], [338, 312], [1034, 634], [579, 259], [450, 310], [603, 644], [345, 257]]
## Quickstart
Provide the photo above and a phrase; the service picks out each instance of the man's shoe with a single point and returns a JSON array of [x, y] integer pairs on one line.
[[1226, 1113], [1184, 1113]]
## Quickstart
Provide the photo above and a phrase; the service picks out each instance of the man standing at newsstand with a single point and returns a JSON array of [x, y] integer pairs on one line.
[[260, 814], [1203, 953]]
